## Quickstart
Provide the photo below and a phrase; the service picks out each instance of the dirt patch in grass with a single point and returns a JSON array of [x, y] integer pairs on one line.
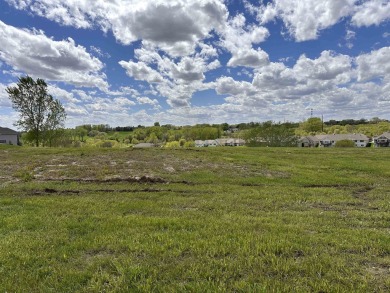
[[142, 179], [254, 184], [362, 192], [381, 274], [328, 186], [52, 191], [379, 271]]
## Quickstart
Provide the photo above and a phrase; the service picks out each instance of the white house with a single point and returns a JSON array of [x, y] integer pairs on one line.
[[8, 136], [210, 143], [330, 140], [143, 145], [199, 143], [220, 142]]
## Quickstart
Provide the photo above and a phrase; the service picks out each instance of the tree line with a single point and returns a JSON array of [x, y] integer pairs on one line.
[[42, 119]]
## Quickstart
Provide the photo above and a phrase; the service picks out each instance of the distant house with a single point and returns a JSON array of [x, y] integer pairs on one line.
[[232, 130], [143, 145], [238, 142], [220, 142], [308, 142], [210, 143], [199, 143], [382, 140], [330, 140], [8, 136], [225, 141]]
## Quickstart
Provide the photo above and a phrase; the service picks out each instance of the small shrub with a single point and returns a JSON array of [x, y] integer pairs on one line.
[[172, 144], [101, 135], [77, 144], [189, 144], [93, 133], [106, 144], [345, 144]]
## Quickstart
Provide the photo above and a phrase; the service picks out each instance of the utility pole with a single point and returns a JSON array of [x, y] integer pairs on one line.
[[322, 122], [311, 112]]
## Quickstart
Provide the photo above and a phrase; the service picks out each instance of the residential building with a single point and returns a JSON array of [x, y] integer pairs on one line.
[[330, 140], [220, 142], [382, 140], [9, 136], [308, 142], [143, 145]]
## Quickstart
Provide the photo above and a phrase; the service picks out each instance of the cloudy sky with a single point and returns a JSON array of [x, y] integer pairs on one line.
[[130, 62]]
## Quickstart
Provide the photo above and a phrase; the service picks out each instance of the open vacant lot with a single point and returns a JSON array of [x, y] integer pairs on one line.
[[198, 220]]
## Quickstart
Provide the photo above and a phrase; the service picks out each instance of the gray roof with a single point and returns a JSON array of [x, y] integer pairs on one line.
[[310, 138], [384, 134], [7, 131], [348, 136]]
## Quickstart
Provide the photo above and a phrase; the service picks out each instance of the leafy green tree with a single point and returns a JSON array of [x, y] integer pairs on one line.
[[93, 133], [152, 138], [39, 113], [271, 135], [313, 124], [225, 126], [81, 132]]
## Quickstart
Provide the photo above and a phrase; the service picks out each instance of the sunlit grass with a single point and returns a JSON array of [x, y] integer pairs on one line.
[[216, 220]]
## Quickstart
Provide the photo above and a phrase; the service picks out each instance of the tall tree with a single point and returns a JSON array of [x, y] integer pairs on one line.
[[39, 113], [313, 124]]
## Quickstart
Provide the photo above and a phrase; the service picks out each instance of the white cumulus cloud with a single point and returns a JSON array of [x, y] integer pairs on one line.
[[35, 54], [371, 12], [375, 64], [175, 26]]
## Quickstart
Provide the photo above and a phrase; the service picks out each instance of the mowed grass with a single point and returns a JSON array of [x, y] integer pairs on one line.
[[198, 220]]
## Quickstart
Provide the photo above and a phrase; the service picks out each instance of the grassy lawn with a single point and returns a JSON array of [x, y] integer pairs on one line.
[[200, 220]]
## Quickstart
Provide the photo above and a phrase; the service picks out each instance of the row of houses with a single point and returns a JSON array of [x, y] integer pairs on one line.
[[220, 142], [8, 136], [330, 140], [202, 143]]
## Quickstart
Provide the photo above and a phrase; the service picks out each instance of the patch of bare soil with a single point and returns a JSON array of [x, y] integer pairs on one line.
[[361, 193], [54, 191], [381, 273], [51, 191], [326, 186], [254, 184], [142, 179]]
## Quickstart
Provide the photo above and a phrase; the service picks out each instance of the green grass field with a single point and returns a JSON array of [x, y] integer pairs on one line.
[[197, 220]]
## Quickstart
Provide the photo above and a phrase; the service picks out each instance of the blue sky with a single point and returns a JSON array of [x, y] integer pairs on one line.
[[131, 62]]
